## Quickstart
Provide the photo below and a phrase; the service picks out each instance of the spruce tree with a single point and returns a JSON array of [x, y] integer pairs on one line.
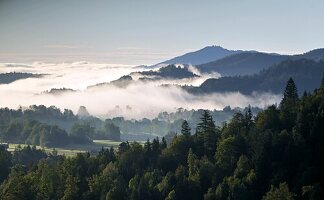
[[206, 133], [289, 105], [290, 94], [185, 129], [206, 123]]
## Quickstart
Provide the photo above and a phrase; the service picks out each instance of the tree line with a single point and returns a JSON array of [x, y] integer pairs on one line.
[[49, 127]]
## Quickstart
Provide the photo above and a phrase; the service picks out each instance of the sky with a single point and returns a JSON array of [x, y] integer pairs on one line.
[[138, 32]]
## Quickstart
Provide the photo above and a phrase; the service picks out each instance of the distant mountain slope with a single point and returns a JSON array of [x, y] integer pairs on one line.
[[246, 63], [242, 64], [306, 73], [201, 56], [7, 78], [316, 54]]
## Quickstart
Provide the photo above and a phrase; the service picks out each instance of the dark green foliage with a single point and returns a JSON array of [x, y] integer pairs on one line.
[[289, 105], [5, 163], [249, 158], [306, 73], [49, 127], [33, 132], [27, 156], [110, 132], [185, 128], [279, 193], [82, 133], [207, 134]]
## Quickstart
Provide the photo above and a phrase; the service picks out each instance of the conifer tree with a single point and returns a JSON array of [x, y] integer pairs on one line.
[[206, 123], [289, 105], [206, 133], [185, 129]]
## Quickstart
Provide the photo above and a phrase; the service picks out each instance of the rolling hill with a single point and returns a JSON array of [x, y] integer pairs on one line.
[[232, 63], [242, 63], [7, 78], [307, 75]]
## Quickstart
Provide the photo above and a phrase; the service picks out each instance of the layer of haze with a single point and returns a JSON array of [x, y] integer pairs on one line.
[[138, 100]]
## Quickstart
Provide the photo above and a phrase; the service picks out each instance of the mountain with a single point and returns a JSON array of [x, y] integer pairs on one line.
[[250, 62], [232, 63], [207, 54], [307, 75], [316, 54], [242, 63]]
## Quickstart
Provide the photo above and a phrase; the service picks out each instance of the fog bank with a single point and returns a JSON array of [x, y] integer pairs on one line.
[[137, 100]]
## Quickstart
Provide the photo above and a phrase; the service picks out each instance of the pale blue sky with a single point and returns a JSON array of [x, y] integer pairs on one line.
[[149, 31]]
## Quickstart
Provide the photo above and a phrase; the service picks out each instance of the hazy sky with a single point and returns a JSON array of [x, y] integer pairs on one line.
[[148, 31]]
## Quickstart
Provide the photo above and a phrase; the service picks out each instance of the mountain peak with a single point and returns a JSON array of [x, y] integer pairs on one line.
[[204, 55]]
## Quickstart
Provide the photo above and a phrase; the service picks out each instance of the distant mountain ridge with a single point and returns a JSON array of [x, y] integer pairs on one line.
[[306, 73], [232, 63], [7, 78], [207, 54], [242, 63]]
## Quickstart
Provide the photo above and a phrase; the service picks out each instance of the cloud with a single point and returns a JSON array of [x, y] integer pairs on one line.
[[138, 100]]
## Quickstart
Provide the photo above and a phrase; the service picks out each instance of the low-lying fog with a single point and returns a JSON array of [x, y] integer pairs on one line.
[[138, 100]]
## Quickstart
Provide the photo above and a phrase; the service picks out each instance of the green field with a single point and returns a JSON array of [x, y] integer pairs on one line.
[[72, 150]]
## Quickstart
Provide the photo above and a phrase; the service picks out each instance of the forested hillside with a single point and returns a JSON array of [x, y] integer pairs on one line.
[[278, 154], [7, 78], [251, 62], [49, 127], [306, 73], [244, 63]]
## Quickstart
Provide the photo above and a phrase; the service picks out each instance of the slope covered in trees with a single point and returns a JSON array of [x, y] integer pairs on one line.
[[49, 127], [7, 78], [242, 64], [306, 73], [169, 72], [249, 62], [277, 154]]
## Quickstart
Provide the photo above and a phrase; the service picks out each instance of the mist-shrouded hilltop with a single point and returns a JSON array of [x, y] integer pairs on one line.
[[169, 72], [7, 78]]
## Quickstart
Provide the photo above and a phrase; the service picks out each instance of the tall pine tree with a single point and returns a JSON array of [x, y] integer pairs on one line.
[[289, 105], [185, 128], [206, 133]]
